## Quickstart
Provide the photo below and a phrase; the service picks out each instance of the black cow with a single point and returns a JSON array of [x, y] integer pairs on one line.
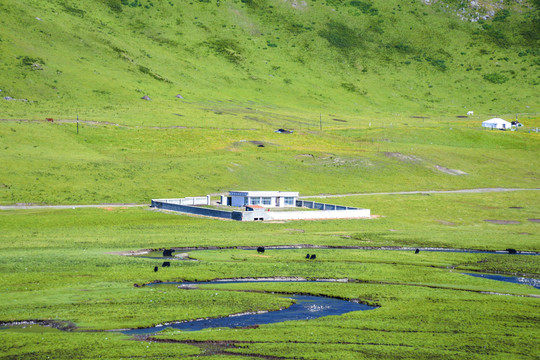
[[260, 249], [416, 251], [155, 268], [307, 256], [313, 257], [168, 252], [166, 264], [512, 251]]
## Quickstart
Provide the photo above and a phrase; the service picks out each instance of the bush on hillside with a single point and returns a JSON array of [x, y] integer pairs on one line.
[[29, 61], [228, 49], [340, 35], [365, 7], [496, 78], [114, 5]]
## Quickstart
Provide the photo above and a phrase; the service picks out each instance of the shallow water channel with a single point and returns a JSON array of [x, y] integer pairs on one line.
[[157, 254], [306, 307], [511, 279]]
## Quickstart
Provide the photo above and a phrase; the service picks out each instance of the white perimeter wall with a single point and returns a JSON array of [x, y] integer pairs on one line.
[[316, 215]]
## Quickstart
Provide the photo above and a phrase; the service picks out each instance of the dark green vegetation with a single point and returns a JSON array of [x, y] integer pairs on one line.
[[296, 58], [372, 90]]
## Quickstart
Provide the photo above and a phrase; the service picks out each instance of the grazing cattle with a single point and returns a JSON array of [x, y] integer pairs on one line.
[[313, 257], [50, 119], [168, 252], [155, 268], [416, 251], [470, 113], [166, 264], [307, 256], [512, 251], [260, 249]]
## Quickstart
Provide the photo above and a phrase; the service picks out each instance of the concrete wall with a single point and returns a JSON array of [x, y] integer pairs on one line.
[[166, 205], [317, 215], [198, 200], [321, 206], [331, 212]]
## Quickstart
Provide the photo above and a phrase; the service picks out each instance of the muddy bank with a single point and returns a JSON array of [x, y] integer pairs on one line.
[[60, 325]]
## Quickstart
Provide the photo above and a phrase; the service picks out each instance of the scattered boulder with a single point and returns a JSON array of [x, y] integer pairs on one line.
[[8, 98], [503, 222], [146, 97], [179, 96], [283, 131]]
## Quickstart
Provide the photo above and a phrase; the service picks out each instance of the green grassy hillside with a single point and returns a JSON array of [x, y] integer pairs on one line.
[[51, 163], [247, 63]]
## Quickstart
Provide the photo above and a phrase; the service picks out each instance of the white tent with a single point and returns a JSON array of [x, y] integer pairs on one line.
[[497, 123]]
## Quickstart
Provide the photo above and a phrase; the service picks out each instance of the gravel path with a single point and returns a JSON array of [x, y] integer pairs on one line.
[[463, 191]]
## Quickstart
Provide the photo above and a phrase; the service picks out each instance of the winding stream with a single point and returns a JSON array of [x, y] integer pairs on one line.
[[306, 307], [157, 254], [511, 279]]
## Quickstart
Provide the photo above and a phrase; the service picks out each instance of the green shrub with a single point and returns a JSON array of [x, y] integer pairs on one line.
[[228, 49], [29, 61], [340, 35], [114, 5], [365, 7], [496, 78], [73, 10]]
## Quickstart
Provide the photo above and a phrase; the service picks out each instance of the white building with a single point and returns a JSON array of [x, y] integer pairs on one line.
[[497, 123], [261, 198]]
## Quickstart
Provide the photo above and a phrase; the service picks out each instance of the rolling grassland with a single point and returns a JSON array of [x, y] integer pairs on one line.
[[376, 94]]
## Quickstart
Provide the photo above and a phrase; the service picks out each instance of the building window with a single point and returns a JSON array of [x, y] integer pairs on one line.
[[255, 201], [267, 201], [289, 201]]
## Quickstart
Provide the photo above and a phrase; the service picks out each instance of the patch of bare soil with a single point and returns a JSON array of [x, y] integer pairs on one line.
[[534, 220], [304, 156], [131, 252], [60, 325], [450, 171], [213, 347], [449, 223], [402, 157], [295, 230], [503, 222]]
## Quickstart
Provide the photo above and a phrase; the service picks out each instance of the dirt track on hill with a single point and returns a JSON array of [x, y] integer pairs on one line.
[[462, 191]]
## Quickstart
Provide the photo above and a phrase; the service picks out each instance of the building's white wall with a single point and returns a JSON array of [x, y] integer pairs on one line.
[[314, 215], [240, 201]]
